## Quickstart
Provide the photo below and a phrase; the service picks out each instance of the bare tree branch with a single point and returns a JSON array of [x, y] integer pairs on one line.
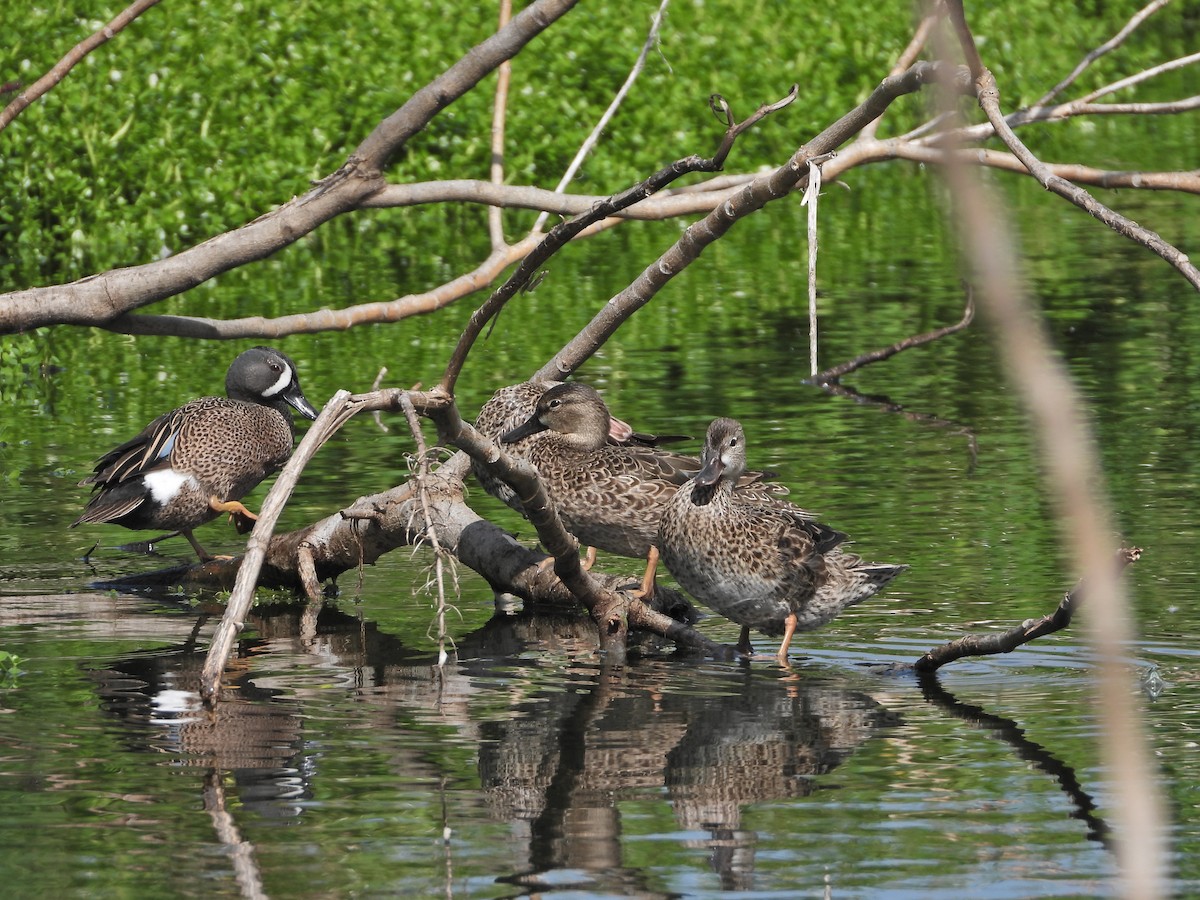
[[100, 298], [1073, 478], [1138, 78], [47, 82], [834, 375], [1031, 629], [499, 113], [565, 231], [748, 199], [989, 100], [1107, 47], [594, 137]]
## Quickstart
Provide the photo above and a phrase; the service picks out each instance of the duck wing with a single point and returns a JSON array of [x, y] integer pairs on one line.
[[140, 454]]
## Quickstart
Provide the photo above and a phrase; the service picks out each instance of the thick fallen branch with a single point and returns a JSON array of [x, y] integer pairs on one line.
[[376, 525], [1031, 629]]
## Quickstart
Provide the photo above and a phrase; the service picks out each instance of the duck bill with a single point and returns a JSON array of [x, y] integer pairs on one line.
[[710, 472], [300, 403], [532, 425]]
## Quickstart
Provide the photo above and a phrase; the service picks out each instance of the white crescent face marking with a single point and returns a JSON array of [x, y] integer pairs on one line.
[[285, 378], [165, 484]]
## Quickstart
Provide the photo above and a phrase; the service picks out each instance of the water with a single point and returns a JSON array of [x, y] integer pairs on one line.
[[345, 763]]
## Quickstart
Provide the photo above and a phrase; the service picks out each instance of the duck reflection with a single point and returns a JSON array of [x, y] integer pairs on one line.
[[715, 743], [254, 736], [575, 743]]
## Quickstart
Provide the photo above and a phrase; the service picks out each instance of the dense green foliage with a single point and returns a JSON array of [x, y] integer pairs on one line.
[[202, 115]]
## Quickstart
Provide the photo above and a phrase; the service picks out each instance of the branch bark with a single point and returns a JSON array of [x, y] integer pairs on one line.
[[62, 68], [1031, 629], [99, 299]]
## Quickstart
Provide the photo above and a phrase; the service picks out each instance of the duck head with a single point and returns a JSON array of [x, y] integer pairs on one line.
[[574, 410], [724, 457], [266, 376]]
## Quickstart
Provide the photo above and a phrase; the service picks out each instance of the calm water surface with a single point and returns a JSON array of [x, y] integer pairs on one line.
[[347, 764]]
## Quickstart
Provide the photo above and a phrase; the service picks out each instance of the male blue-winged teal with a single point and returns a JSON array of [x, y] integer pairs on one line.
[[763, 566], [609, 496], [192, 464]]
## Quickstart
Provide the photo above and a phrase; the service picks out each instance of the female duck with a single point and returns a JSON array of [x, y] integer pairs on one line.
[[763, 566], [512, 406], [193, 463], [609, 496]]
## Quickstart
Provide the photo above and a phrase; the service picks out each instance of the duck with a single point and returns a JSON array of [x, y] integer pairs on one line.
[[196, 462], [513, 405], [609, 496], [769, 567]]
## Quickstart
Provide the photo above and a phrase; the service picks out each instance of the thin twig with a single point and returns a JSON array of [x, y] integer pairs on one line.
[[499, 112], [1145, 75], [833, 375], [989, 101], [1107, 47], [593, 138], [56, 74]]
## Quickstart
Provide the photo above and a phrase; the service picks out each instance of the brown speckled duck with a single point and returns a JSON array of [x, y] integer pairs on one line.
[[196, 462], [609, 496], [513, 406], [764, 566]]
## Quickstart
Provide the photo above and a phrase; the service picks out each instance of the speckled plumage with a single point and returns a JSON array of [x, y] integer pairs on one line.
[[187, 464], [513, 405], [767, 567], [609, 496]]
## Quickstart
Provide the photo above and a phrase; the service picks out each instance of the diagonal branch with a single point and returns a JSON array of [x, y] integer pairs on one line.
[[989, 100], [593, 138], [562, 233], [98, 299], [748, 199], [1031, 629], [1107, 47], [834, 375], [60, 69]]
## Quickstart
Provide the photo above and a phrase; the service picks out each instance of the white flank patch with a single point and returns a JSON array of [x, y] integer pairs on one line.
[[284, 380], [165, 484]]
